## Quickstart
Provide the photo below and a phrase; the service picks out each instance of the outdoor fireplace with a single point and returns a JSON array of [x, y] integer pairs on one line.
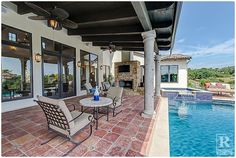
[[128, 74], [126, 84]]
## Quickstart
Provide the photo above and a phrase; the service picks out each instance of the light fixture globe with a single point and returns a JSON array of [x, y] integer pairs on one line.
[[38, 57], [79, 64], [54, 24]]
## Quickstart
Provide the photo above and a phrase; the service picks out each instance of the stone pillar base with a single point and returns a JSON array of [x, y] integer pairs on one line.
[[145, 115], [157, 94]]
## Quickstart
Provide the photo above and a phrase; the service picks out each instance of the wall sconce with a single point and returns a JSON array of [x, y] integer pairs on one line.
[[38, 57], [101, 67], [13, 48], [79, 64]]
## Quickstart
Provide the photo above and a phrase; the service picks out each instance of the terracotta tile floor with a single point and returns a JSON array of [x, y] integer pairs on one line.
[[126, 134]]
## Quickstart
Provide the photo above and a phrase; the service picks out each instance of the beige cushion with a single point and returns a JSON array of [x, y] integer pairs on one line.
[[79, 123], [115, 92], [75, 125], [227, 86], [88, 86], [106, 85], [62, 106]]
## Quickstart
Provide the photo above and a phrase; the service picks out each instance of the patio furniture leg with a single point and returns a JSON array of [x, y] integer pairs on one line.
[[49, 140], [96, 113], [78, 143], [107, 113], [113, 112]]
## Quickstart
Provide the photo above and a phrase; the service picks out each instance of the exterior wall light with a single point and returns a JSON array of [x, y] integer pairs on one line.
[[101, 67], [13, 48], [38, 57], [79, 64]]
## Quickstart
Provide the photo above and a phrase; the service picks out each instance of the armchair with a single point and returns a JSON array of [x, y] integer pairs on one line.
[[115, 93], [62, 121]]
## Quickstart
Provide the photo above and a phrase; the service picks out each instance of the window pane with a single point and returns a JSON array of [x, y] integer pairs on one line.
[[51, 79], [50, 45], [15, 36], [106, 72], [16, 72], [173, 73], [125, 56], [68, 77], [93, 69], [68, 51], [164, 73], [84, 69]]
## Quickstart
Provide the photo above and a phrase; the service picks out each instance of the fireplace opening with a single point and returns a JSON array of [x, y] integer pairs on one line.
[[126, 84]]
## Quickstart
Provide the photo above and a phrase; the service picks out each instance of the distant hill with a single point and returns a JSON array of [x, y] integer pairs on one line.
[[198, 77]]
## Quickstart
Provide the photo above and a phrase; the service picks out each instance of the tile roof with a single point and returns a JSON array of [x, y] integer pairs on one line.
[[175, 57]]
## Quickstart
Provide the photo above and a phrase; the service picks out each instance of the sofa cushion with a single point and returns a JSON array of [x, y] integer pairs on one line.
[[219, 85], [212, 86]]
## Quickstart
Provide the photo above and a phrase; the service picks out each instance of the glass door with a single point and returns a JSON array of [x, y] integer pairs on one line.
[[67, 71], [93, 69], [88, 69], [51, 78], [58, 69]]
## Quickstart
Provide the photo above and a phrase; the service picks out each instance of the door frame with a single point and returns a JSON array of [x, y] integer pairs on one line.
[[97, 73], [59, 55]]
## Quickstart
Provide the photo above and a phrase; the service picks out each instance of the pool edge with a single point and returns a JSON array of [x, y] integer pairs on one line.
[[160, 145]]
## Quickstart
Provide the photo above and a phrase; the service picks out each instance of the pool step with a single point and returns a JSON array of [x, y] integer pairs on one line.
[[185, 97]]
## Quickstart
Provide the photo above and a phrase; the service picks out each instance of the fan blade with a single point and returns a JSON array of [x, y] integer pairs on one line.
[[69, 24], [37, 17], [118, 48], [59, 27], [60, 13], [40, 11]]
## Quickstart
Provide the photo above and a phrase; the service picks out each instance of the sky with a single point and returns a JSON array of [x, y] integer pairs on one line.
[[206, 32]]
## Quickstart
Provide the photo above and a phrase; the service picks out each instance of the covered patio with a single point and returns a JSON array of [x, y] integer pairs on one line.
[[127, 134], [102, 26]]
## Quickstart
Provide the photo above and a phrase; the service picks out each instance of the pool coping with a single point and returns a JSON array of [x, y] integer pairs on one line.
[[160, 139]]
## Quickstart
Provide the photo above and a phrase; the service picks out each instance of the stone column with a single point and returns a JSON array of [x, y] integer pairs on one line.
[[148, 40], [157, 75]]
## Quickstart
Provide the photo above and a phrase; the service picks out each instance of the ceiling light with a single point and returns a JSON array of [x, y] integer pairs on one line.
[[53, 23]]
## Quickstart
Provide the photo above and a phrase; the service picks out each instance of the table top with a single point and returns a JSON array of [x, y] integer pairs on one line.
[[89, 102]]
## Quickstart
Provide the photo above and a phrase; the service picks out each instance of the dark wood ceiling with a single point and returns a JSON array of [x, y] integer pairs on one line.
[[116, 22]]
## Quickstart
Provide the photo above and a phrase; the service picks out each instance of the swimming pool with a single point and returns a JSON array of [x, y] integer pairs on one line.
[[198, 128]]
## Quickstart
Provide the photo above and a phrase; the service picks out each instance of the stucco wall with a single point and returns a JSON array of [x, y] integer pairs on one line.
[[182, 72], [115, 57], [39, 29], [138, 58]]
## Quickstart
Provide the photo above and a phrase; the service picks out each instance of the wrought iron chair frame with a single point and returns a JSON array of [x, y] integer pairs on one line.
[[56, 117], [115, 107]]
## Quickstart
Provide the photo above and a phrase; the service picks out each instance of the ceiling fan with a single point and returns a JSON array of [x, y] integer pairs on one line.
[[112, 47], [56, 18]]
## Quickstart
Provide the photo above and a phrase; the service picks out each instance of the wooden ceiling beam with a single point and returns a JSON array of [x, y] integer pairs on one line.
[[117, 30], [112, 38]]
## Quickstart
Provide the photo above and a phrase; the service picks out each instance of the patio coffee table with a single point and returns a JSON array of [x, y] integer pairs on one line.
[[90, 103]]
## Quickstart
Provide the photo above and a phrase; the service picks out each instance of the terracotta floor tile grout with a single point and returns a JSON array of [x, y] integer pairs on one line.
[[132, 106]]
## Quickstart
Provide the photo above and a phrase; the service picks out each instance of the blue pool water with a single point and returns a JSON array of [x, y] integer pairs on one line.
[[196, 129]]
